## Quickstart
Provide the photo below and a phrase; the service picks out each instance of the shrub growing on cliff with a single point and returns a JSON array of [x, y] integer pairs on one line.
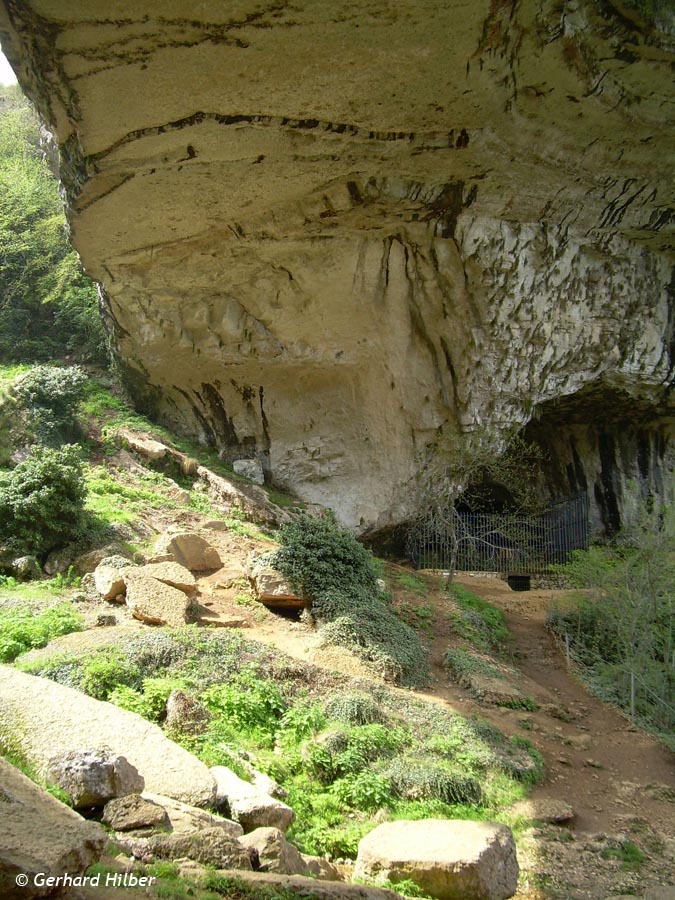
[[49, 396], [331, 567], [42, 501]]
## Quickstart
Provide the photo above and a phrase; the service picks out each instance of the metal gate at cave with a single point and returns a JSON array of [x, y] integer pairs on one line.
[[513, 544]]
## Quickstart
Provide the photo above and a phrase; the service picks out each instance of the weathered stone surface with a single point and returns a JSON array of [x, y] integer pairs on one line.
[[185, 819], [26, 567], [426, 214], [544, 810], [314, 889], [210, 846], [318, 867], [133, 812], [153, 602], [190, 550], [143, 445], [39, 834], [42, 719], [249, 468], [109, 577], [448, 859], [270, 586], [274, 852], [185, 714], [92, 777], [171, 573], [247, 805]]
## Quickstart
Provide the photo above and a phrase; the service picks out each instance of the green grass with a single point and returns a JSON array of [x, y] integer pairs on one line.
[[23, 629], [478, 621], [414, 584]]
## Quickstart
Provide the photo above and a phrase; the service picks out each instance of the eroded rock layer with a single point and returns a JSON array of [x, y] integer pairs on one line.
[[328, 230]]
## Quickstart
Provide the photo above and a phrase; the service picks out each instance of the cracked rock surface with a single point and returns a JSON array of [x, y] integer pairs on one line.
[[329, 231]]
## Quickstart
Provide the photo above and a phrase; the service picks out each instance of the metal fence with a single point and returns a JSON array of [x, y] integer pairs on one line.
[[500, 542]]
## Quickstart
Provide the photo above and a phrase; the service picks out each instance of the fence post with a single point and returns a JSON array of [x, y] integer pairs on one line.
[[567, 649], [632, 697]]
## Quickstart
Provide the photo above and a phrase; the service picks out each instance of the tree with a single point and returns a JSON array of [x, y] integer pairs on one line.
[[47, 303]]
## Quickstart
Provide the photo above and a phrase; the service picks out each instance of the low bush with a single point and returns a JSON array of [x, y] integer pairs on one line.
[[355, 708], [332, 568], [414, 779], [42, 501], [49, 396]]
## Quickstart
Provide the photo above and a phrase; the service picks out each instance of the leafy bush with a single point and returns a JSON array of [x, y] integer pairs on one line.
[[247, 703], [425, 780], [331, 567], [103, 672], [49, 395], [42, 500], [356, 708], [22, 630]]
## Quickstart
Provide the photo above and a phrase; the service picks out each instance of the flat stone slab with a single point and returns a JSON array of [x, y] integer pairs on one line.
[[448, 859], [154, 602], [38, 834], [171, 573], [41, 719]]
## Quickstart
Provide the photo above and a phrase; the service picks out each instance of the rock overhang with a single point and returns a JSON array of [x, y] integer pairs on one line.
[[328, 231]]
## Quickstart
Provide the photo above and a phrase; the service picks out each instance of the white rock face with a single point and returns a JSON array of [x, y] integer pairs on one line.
[[249, 468], [42, 719], [448, 859], [424, 217], [63, 843]]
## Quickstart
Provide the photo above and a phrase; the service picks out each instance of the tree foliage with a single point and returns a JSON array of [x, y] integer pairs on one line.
[[48, 306]]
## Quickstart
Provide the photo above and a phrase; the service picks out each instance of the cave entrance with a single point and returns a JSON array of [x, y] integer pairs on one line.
[[511, 544]]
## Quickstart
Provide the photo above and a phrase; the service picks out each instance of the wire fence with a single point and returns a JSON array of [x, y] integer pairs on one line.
[[500, 542], [649, 705]]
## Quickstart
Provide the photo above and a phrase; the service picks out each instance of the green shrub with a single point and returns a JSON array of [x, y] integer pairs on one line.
[[247, 703], [22, 630], [42, 501], [49, 395], [127, 698], [414, 779], [356, 708], [331, 567], [104, 671], [367, 791]]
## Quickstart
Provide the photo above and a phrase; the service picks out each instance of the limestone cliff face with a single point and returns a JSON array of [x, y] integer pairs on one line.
[[328, 230]]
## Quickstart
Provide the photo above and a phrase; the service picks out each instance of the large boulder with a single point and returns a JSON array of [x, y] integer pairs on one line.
[[40, 835], [274, 853], [190, 550], [209, 846], [154, 602], [134, 812], [184, 819], [109, 577], [447, 859], [247, 804], [270, 586], [40, 719], [92, 777], [171, 573]]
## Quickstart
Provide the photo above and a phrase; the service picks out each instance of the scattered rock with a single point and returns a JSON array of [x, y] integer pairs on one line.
[[92, 777], [142, 444], [171, 573], [553, 811], [43, 719], [153, 602], [185, 714], [103, 620], [274, 853], [185, 819], [210, 846], [25, 567], [133, 812], [39, 834], [109, 577], [270, 586], [318, 867], [251, 469], [245, 803], [190, 550], [448, 859]]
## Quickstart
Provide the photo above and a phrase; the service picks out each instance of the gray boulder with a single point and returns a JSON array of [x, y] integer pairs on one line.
[[92, 777], [134, 812], [185, 714], [40, 835], [153, 602], [171, 573], [188, 549], [185, 819], [447, 859], [209, 846], [109, 578], [274, 853]]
